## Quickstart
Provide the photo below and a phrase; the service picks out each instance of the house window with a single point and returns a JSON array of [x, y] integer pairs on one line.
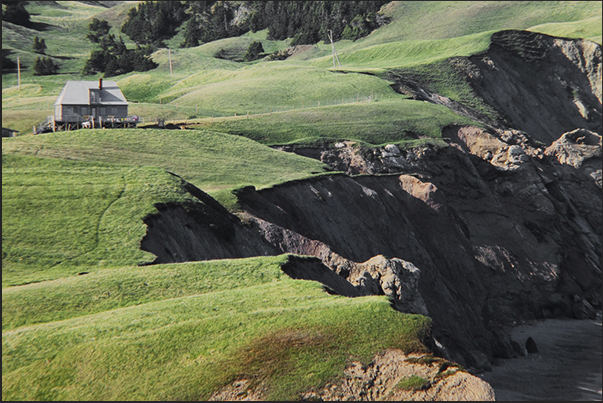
[[85, 110], [94, 97]]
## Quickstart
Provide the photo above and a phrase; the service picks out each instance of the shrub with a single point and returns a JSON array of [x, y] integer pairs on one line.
[[39, 45], [254, 51], [45, 67], [413, 382]]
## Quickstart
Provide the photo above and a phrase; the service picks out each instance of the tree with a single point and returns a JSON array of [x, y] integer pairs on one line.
[[97, 30], [7, 64], [152, 22], [45, 67], [15, 12], [360, 26], [39, 46], [254, 51], [114, 58]]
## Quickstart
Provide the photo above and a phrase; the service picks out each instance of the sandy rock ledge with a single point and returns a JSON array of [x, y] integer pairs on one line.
[[392, 375]]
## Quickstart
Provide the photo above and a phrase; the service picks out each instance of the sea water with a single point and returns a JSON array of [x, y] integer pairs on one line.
[[567, 366]]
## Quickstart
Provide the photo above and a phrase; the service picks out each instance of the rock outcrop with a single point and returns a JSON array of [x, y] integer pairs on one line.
[[539, 84], [475, 242], [542, 85], [580, 149], [391, 376], [503, 224]]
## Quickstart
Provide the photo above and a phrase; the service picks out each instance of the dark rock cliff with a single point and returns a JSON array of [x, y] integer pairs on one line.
[[542, 85], [492, 229]]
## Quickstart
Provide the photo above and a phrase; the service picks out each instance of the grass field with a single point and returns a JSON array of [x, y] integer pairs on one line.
[[202, 86], [62, 217], [208, 159], [397, 121], [289, 333], [83, 203]]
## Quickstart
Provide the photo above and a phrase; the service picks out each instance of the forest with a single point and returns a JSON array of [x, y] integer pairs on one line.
[[306, 22]]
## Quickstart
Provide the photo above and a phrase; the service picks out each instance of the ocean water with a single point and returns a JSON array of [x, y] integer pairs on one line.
[[567, 366]]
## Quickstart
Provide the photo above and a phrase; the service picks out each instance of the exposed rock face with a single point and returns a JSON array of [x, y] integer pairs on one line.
[[385, 378], [580, 149], [494, 240], [494, 228], [542, 85], [536, 83], [395, 278]]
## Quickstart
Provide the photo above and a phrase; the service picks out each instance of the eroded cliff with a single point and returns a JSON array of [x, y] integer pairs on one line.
[[502, 224]]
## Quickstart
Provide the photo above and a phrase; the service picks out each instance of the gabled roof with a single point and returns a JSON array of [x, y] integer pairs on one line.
[[78, 93]]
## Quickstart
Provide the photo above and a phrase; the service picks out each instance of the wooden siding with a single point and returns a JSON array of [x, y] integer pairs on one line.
[[79, 113]]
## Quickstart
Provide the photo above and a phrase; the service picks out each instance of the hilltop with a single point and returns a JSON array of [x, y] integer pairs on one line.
[[204, 86], [297, 229]]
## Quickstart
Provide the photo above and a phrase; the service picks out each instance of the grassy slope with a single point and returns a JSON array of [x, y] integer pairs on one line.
[[59, 217], [376, 123], [420, 32], [62, 217], [209, 160], [429, 20], [195, 338]]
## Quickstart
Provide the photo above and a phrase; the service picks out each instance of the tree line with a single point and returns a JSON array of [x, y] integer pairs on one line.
[[151, 23], [306, 22], [114, 58]]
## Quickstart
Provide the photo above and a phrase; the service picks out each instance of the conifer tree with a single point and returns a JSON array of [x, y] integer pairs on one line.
[[97, 30], [45, 67], [254, 51], [15, 12], [39, 46]]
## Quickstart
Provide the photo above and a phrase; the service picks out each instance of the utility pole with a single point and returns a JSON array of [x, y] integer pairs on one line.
[[18, 74], [334, 51], [170, 57]]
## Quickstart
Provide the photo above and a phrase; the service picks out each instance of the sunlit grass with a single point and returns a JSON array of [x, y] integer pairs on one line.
[[389, 121], [105, 289], [288, 333], [73, 203], [62, 217], [208, 159], [588, 29]]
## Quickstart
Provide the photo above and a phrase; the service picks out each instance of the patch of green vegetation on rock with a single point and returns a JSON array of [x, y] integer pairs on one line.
[[412, 382]]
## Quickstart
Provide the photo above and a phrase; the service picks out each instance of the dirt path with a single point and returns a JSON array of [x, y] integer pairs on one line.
[[567, 366]]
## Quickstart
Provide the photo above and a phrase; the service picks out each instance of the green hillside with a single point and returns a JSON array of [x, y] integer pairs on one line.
[[84, 317], [82, 204], [288, 334], [61, 217], [418, 33]]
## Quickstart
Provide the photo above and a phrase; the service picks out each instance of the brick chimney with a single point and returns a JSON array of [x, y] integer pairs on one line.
[[100, 83]]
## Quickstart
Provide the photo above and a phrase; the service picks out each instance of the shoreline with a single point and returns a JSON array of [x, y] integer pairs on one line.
[[567, 366]]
